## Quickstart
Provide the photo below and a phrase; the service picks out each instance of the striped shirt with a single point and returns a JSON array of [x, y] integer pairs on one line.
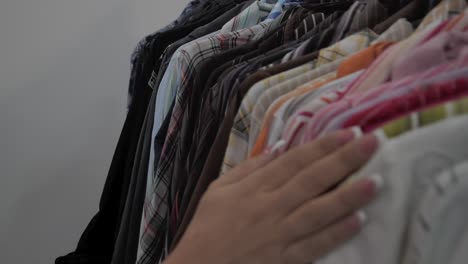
[[342, 49], [425, 118], [379, 72], [324, 121], [239, 140]]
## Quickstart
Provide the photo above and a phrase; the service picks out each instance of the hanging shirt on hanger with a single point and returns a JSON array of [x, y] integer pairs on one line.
[[313, 123], [379, 72], [404, 163], [325, 115]]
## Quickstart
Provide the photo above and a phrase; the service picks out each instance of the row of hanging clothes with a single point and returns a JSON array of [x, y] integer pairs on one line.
[[229, 80]]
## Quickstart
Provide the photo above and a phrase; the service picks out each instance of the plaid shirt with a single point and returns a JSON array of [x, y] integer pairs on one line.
[[185, 63]]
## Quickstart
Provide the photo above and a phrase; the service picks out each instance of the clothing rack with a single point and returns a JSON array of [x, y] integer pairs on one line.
[[231, 80]]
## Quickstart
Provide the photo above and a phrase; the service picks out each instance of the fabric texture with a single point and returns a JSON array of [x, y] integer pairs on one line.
[[440, 226], [337, 51], [356, 62]]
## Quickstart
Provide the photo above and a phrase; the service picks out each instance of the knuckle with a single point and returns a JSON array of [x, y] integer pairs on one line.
[[325, 145], [294, 162], [347, 159], [318, 185]]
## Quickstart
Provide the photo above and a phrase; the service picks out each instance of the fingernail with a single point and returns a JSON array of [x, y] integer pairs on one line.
[[358, 220], [369, 144], [378, 181], [362, 217], [372, 185], [344, 137]]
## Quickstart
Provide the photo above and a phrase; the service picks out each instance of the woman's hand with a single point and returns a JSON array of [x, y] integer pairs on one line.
[[283, 210]]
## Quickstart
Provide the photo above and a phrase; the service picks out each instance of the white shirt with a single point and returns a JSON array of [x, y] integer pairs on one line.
[[407, 164]]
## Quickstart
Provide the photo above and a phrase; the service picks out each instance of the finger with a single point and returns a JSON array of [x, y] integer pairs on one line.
[[319, 213], [327, 172], [245, 169], [316, 246], [284, 167]]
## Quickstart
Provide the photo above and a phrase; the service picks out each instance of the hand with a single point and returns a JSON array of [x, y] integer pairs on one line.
[[281, 210]]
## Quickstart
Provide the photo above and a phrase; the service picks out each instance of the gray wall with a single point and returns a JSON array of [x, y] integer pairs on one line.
[[64, 67]]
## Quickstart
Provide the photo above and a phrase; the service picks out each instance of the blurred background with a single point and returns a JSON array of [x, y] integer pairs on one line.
[[64, 70]]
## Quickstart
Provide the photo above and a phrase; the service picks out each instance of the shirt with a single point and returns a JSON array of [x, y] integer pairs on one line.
[[379, 72], [353, 106], [359, 16], [425, 117], [442, 48], [337, 51], [400, 30], [420, 99], [326, 28], [326, 114], [278, 104], [405, 164]]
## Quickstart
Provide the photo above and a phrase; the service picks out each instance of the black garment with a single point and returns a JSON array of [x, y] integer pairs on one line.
[[97, 243], [126, 246]]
